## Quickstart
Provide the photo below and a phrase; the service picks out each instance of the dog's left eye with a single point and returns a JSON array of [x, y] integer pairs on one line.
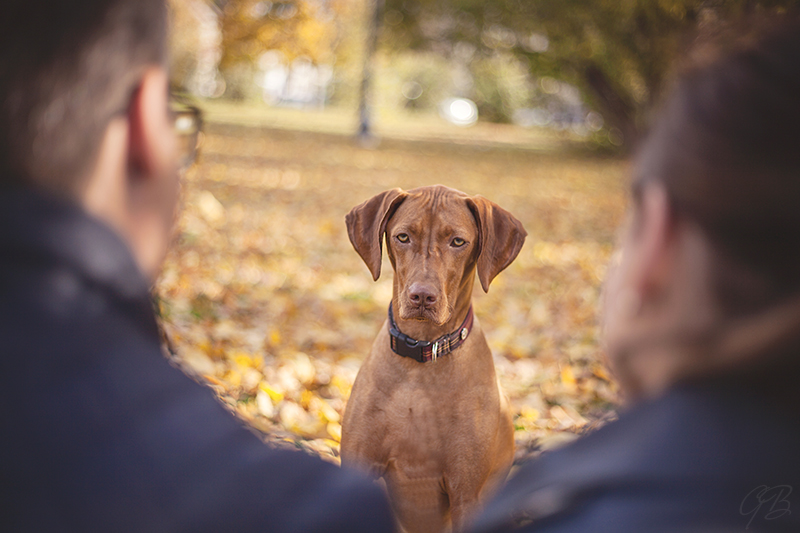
[[458, 242]]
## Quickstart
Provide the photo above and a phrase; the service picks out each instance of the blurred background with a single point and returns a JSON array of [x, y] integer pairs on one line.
[[313, 106]]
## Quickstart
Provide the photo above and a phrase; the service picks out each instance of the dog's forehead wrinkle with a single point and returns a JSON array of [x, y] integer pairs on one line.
[[458, 223], [446, 231], [436, 189], [401, 224], [436, 196]]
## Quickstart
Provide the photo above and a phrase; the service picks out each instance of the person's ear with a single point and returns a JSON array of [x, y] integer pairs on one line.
[[655, 247], [366, 224], [500, 238], [152, 141]]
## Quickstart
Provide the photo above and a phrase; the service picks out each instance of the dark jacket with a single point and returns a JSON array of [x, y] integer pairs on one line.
[[100, 433], [711, 457]]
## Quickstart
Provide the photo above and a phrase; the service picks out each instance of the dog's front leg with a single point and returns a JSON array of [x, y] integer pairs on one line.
[[419, 502], [462, 509]]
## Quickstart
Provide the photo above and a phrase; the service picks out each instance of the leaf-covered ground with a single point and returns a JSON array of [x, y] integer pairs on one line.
[[265, 300]]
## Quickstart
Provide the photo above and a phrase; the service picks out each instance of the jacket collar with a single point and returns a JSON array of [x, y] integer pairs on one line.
[[49, 229]]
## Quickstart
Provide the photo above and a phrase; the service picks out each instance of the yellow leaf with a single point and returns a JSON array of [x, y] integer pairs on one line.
[[250, 379], [264, 404], [233, 378], [297, 420], [331, 443], [303, 368], [341, 385], [568, 379], [600, 372], [274, 337], [210, 208], [213, 380], [335, 431], [274, 395], [198, 361], [305, 398], [326, 411], [242, 359]]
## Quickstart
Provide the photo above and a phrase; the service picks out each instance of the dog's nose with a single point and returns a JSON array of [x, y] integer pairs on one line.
[[421, 295]]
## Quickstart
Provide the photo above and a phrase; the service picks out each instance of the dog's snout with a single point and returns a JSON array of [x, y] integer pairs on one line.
[[422, 295]]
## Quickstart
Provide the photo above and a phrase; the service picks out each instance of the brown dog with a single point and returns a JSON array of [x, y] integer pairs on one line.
[[432, 423]]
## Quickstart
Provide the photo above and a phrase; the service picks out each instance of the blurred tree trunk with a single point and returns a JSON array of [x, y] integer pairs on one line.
[[615, 105], [365, 132]]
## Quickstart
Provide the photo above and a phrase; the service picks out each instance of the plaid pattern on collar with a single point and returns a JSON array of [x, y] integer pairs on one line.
[[425, 351]]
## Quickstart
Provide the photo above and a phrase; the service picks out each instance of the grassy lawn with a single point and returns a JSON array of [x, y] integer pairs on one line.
[[387, 123], [266, 301]]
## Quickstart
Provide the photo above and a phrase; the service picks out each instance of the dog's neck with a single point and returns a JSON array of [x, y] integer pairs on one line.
[[424, 330]]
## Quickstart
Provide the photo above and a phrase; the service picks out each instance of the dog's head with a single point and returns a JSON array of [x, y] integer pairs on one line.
[[435, 237]]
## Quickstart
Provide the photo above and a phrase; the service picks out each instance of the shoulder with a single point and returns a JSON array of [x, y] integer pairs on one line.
[[691, 457], [103, 434]]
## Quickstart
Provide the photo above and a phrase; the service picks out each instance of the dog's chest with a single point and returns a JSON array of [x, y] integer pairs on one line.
[[428, 415]]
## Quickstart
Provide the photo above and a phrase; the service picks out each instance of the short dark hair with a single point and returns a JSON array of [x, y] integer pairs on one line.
[[726, 147], [66, 68]]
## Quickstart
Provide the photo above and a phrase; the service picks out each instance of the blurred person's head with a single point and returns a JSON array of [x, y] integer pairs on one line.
[[708, 279], [84, 112]]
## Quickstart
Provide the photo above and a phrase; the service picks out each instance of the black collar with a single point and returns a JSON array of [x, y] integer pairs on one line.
[[424, 351]]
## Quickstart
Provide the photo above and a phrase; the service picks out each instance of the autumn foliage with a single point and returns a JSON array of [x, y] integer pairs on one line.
[[264, 299]]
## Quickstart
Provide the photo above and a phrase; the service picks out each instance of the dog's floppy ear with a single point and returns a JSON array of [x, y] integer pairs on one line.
[[500, 238], [366, 224]]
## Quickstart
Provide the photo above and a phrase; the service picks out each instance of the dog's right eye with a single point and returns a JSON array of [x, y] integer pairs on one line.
[[402, 237]]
